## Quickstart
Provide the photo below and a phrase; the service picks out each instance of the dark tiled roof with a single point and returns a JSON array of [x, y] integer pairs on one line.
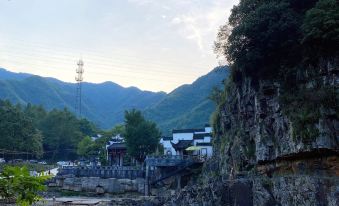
[[204, 144], [201, 135], [207, 125], [187, 130], [117, 146], [182, 144], [167, 138]]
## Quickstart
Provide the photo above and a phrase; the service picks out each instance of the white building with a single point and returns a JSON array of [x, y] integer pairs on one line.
[[189, 141]]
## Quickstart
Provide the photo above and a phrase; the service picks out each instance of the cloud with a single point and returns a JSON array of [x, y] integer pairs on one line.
[[195, 20], [200, 22]]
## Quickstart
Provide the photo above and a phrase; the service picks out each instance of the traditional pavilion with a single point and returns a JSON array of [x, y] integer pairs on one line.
[[116, 151]]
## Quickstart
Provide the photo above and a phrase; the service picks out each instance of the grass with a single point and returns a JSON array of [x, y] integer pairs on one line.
[[30, 166]]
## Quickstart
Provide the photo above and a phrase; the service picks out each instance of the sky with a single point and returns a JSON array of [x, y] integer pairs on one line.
[[156, 45]]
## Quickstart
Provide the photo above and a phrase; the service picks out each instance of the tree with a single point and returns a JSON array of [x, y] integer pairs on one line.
[[321, 30], [87, 127], [265, 39], [85, 147], [61, 130], [17, 130], [17, 184], [117, 129], [141, 136]]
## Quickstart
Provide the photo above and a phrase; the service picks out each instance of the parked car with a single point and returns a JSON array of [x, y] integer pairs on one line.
[[43, 163], [2, 160]]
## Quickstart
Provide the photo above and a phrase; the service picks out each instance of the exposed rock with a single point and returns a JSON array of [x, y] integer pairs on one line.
[[260, 158]]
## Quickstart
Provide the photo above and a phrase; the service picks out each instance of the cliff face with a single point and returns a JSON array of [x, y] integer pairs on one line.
[[266, 153], [254, 127]]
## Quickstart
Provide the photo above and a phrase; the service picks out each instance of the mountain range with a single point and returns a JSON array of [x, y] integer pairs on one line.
[[105, 103]]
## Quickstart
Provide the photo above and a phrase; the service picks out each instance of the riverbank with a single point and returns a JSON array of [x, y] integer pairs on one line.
[[103, 201]]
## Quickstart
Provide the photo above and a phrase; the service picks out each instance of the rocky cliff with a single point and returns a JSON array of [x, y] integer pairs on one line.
[[273, 145]]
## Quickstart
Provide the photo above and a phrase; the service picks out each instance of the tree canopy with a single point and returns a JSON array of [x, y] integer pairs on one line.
[[267, 38], [17, 131], [31, 131], [142, 136]]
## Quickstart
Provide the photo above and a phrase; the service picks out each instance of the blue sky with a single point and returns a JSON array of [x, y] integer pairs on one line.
[[155, 45]]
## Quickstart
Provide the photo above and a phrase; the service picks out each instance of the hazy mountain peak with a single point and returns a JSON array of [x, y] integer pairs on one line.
[[6, 75], [105, 103]]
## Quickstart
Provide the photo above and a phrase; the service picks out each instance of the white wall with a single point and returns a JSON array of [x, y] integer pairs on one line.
[[204, 151], [188, 136], [182, 136], [167, 146], [207, 139], [208, 129]]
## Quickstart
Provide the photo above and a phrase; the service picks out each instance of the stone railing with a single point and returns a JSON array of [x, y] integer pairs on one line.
[[103, 172], [171, 160]]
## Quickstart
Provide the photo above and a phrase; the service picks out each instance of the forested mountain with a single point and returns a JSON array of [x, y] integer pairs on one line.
[[188, 106], [4, 74], [105, 103]]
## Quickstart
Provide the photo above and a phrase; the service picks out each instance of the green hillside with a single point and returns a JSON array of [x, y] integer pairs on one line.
[[188, 105], [105, 103]]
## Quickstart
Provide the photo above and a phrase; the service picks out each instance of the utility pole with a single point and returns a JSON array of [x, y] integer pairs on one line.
[[79, 78]]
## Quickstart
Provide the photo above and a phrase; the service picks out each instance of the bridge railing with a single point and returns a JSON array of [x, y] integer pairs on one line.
[[172, 160]]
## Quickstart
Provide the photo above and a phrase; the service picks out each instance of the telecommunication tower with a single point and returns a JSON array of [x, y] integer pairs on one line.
[[79, 78]]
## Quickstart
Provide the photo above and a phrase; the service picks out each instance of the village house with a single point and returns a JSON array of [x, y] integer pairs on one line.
[[189, 142]]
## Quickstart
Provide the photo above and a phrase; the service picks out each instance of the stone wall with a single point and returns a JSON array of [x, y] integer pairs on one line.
[[101, 185]]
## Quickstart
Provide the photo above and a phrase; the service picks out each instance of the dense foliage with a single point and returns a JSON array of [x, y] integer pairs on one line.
[[17, 130], [141, 136], [32, 132], [17, 184], [290, 42], [269, 38]]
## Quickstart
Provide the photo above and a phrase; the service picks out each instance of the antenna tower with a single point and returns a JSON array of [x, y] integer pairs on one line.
[[79, 78]]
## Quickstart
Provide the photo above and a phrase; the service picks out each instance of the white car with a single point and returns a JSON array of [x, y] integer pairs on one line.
[[2, 160]]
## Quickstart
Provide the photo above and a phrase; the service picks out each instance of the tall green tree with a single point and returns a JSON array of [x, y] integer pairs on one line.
[[321, 30], [17, 131], [62, 135], [85, 147], [265, 39], [142, 136]]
